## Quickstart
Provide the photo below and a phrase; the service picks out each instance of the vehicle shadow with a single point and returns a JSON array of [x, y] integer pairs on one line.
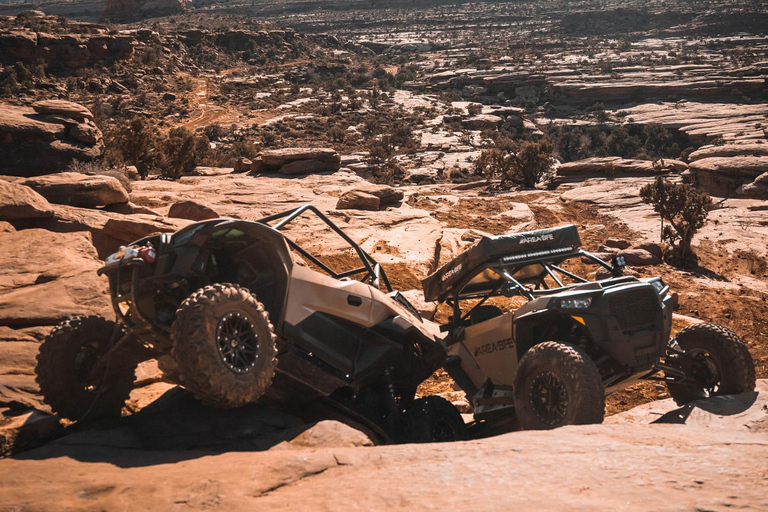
[[727, 405], [176, 427]]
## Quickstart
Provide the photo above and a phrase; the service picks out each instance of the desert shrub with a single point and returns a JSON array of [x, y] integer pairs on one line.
[[685, 209], [337, 134], [136, 142], [659, 142], [474, 109], [524, 163], [269, 138], [621, 143], [179, 153]]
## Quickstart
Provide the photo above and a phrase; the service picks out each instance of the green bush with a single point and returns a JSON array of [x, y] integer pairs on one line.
[[685, 209], [523, 163]]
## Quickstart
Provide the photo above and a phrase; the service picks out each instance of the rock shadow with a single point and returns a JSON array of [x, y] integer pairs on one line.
[[726, 405], [176, 427]]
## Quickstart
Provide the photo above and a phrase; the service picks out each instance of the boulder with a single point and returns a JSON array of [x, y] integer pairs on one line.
[[612, 167], [192, 210], [639, 257], [20, 202], [387, 195], [64, 108], [618, 243], [758, 189], [27, 430], [277, 158], [651, 247], [87, 133], [482, 121], [304, 167], [722, 176], [75, 189], [46, 277], [243, 165], [258, 166], [47, 138], [109, 230], [358, 200]]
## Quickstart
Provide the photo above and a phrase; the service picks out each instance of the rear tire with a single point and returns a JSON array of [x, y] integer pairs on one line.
[[66, 356], [725, 360], [224, 346], [558, 384], [432, 420]]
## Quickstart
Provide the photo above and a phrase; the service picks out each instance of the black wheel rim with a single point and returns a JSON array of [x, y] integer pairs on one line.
[[85, 361], [707, 372], [237, 342], [442, 431], [549, 398]]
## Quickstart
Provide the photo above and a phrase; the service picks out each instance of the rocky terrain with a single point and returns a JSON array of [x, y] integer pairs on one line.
[[379, 116]]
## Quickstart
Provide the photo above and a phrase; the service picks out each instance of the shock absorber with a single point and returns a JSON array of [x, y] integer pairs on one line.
[[390, 399]]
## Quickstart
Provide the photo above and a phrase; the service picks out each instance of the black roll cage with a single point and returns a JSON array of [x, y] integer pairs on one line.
[[370, 266], [507, 271]]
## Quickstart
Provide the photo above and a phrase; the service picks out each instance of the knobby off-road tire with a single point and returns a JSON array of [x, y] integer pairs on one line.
[[66, 356], [558, 384], [224, 346], [432, 420], [725, 358]]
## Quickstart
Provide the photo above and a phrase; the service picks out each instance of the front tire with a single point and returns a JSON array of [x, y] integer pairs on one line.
[[224, 346], [558, 384], [432, 420], [725, 364], [64, 365]]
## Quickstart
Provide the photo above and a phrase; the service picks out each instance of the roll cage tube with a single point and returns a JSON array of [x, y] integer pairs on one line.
[[375, 273], [507, 272]]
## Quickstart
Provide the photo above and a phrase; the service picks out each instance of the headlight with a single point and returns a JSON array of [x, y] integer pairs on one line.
[[576, 303], [658, 285]]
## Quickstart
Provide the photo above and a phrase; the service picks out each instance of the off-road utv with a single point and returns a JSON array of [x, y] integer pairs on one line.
[[552, 361], [235, 311]]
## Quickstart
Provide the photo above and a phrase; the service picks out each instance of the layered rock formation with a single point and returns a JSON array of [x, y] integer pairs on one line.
[[131, 10], [297, 161], [46, 137], [722, 176], [613, 167], [65, 51]]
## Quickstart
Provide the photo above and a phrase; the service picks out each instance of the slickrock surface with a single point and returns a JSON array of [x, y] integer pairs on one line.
[[707, 456]]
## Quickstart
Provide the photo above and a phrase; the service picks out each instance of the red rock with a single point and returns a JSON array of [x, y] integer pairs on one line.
[[192, 210], [20, 202], [77, 189], [357, 200]]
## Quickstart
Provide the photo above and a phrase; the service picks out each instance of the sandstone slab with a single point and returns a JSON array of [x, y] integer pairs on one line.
[[20, 202], [722, 176], [46, 277], [62, 107], [75, 189], [358, 200]]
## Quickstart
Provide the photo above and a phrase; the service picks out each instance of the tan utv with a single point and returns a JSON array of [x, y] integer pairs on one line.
[[551, 361], [235, 312]]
